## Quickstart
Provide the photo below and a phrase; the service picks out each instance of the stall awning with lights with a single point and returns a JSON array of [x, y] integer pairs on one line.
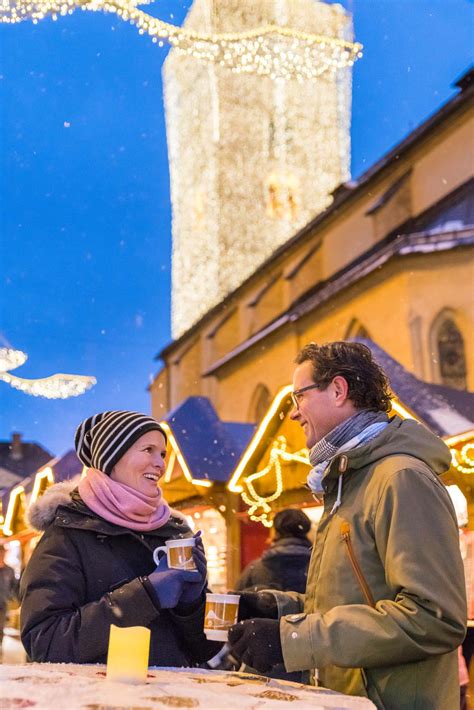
[[17, 499], [202, 449], [276, 461]]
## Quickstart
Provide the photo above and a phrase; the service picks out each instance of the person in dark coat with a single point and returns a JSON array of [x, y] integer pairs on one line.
[[284, 565], [94, 566], [8, 592]]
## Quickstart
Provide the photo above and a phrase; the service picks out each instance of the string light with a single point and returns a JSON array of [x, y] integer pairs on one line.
[[257, 502], [57, 386], [14, 501], [252, 158], [270, 49], [463, 460], [177, 454], [10, 359], [278, 408], [43, 480]]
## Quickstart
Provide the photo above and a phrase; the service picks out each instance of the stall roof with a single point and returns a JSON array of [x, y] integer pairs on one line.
[[63, 468], [210, 446]]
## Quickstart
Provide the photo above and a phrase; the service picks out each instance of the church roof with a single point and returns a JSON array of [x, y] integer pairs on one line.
[[445, 410]]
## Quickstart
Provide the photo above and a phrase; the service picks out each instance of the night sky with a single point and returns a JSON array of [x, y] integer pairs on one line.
[[85, 207]]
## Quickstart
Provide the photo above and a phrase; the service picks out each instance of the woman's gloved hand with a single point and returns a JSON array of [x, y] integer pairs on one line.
[[168, 584], [192, 590]]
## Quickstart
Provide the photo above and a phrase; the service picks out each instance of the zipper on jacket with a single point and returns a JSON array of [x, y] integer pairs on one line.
[[346, 536], [342, 467]]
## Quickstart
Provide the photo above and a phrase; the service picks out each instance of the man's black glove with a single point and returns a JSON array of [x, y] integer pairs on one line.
[[257, 643], [257, 605]]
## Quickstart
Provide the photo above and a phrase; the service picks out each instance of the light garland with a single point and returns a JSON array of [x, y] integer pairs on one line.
[[43, 480], [16, 495], [277, 408], [256, 502], [10, 359], [252, 158], [57, 386], [463, 460], [177, 454], [270, 50]]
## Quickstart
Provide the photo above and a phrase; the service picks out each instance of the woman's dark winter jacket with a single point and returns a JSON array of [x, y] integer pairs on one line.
[[86, 574], [283, 566]]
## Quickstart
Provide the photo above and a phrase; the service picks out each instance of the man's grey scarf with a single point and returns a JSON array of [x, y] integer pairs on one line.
[[358, 429]]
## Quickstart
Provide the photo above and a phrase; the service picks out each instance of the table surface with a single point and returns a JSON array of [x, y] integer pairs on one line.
[[44, 686]]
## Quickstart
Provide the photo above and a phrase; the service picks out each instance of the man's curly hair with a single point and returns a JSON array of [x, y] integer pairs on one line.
[[369, 387]]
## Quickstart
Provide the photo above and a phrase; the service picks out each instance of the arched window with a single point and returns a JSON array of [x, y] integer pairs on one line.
[[355, 329], [450, 353], [260, 403]]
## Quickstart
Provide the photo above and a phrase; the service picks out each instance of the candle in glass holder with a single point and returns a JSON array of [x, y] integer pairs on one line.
[[129, 649]]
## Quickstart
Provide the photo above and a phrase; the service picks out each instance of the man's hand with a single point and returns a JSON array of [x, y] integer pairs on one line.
[[257, 605], [257, 643]]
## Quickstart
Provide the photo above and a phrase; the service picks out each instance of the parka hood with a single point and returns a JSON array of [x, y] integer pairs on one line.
[[44, 510], [403, 437]]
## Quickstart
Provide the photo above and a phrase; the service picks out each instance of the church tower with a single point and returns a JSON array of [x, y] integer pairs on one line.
[[252, 159]]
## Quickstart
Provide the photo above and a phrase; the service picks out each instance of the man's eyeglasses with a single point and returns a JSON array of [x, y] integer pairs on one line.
[[296, 395]]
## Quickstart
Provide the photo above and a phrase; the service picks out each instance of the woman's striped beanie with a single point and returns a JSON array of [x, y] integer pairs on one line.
[[103, 439]]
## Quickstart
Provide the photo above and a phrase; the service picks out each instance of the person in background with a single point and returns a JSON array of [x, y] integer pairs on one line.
[[466, 543], [8, 592], [284, 565], [94, 566], [385, 605]]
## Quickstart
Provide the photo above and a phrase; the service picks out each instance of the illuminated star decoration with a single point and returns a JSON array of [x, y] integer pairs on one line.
[[275, 51], [57, 386]]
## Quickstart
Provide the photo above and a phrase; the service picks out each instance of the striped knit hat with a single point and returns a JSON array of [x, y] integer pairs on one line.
[[103, 439]]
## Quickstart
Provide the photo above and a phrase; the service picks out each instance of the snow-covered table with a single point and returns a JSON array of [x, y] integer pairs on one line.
[[47, 686]]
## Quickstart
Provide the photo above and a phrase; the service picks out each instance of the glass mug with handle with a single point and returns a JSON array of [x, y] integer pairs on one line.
[[221, 613], [179, 553]]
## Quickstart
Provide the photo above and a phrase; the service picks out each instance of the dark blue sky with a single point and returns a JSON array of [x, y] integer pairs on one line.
[[85, 213]]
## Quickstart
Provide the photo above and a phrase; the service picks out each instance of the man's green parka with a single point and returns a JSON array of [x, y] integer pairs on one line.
[[397, 525]]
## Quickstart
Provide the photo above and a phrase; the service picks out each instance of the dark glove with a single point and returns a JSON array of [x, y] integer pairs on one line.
[[257, 643], [193, 590], [168, 584], [257, 605]]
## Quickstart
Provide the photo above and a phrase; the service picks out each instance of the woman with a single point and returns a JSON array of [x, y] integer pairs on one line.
[[94, 564]]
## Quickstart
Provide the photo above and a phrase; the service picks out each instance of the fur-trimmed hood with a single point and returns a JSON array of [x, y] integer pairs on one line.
[[42, 512]]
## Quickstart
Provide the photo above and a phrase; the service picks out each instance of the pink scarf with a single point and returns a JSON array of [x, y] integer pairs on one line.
[[121, 504]]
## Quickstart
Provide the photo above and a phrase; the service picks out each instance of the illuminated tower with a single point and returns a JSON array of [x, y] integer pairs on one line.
[[252, 159]]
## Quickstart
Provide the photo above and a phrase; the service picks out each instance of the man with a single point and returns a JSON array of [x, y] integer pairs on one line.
[[8, 591], [385, 607]]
